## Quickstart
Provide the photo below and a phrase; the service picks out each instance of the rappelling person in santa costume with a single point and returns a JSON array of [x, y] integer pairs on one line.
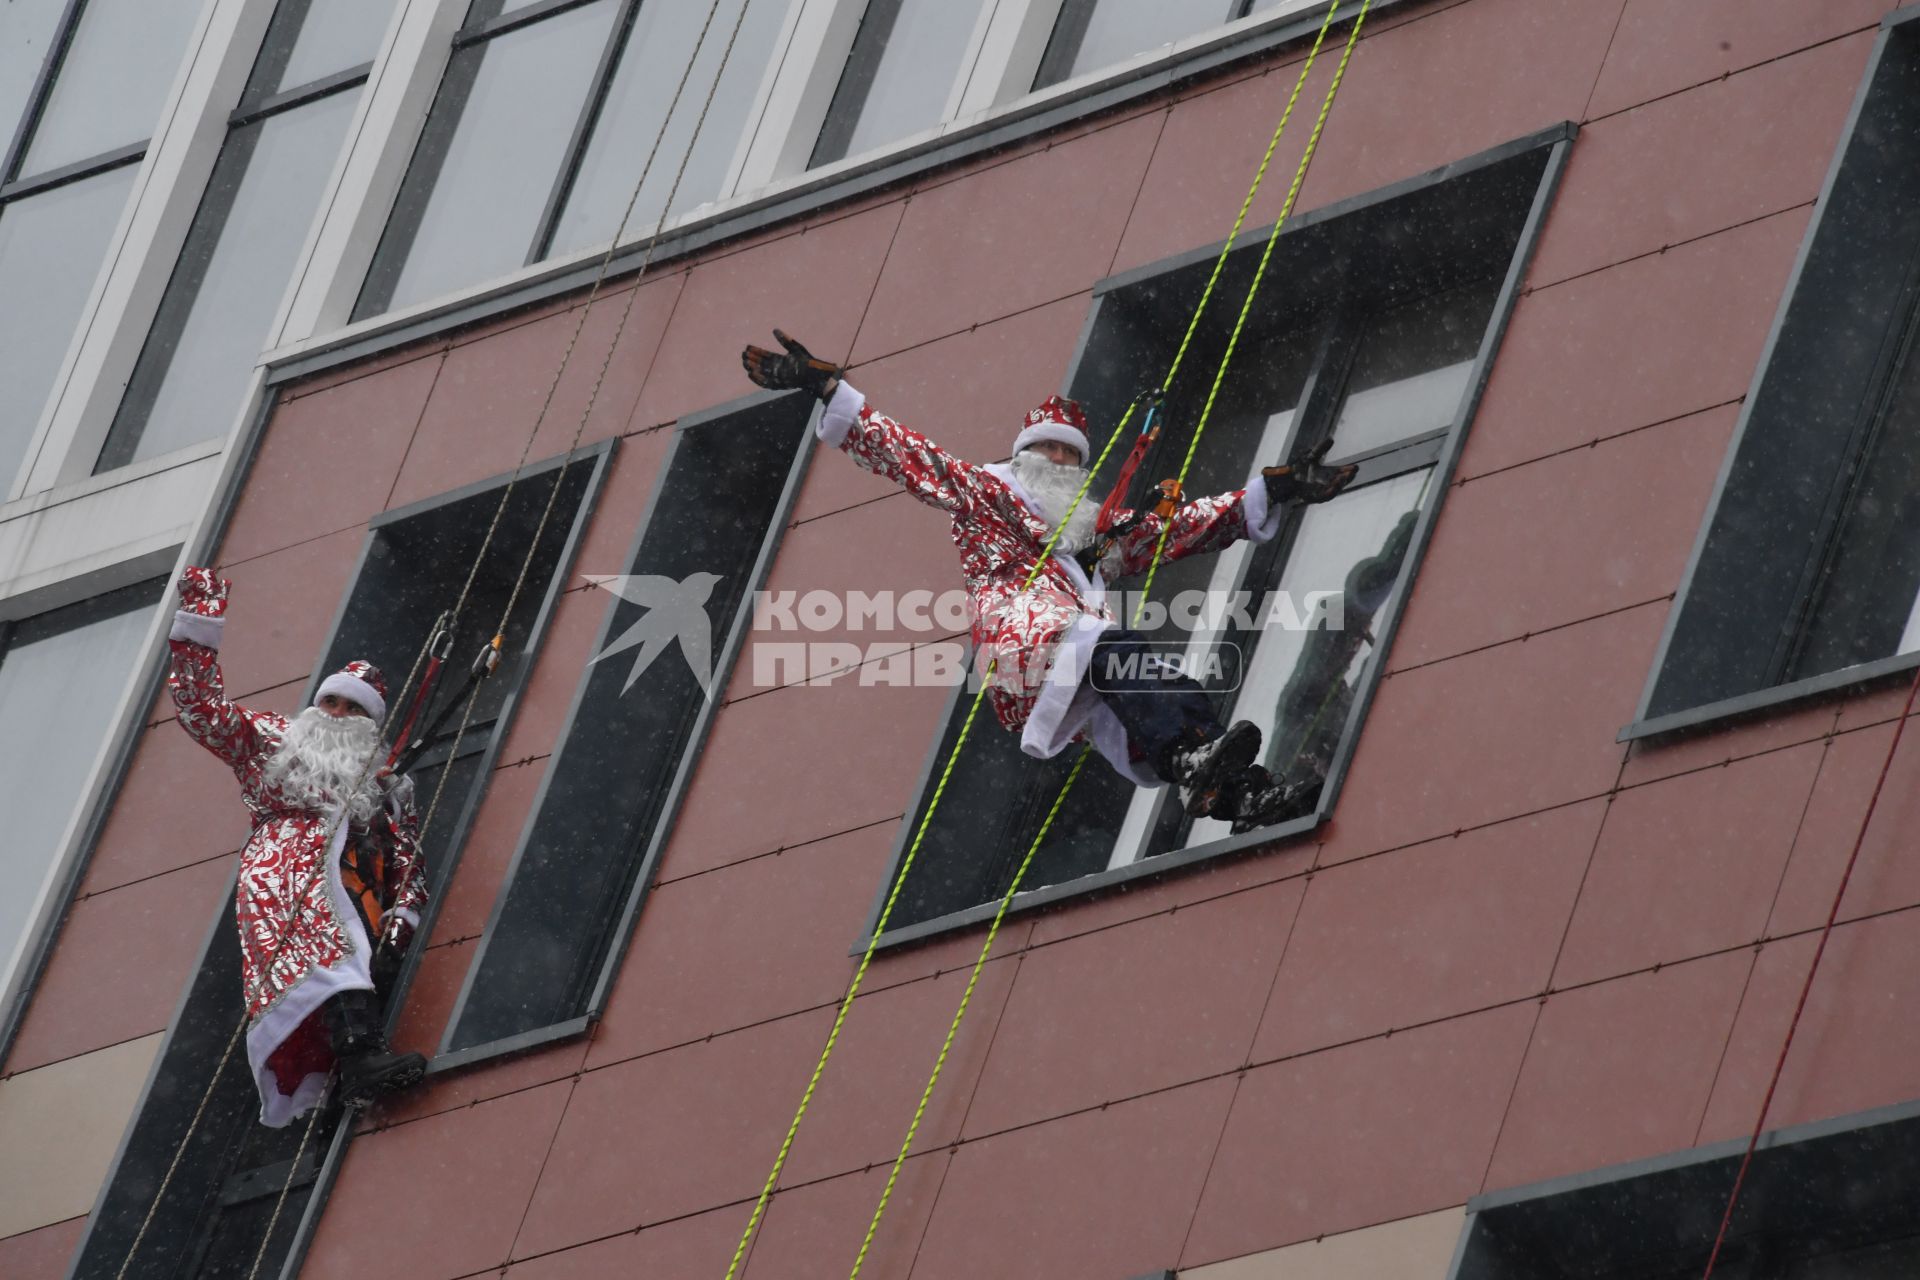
[[1063, 667], [331, 882]]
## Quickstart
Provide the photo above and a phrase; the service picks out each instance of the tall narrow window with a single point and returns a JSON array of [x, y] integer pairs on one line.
[[1807, 576], [900, 75], [61, 677], [239, 254], [1378, 353], [586, 855], [79, 119]]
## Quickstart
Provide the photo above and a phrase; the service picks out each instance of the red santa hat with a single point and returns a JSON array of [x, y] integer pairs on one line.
[[359, 683], [1056, 418]]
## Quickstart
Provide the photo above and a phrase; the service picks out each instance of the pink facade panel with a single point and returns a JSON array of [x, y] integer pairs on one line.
[[1720, 154], [1647, 341], [1370, 1132], [1135, 1009], [1430, 932], [1582, 556], [1687, 866], [329, 460], [1620, 1070], [1664, 46]]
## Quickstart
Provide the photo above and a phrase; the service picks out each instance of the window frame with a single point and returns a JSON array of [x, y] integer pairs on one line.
[[726, 656], [209, 1004], [1750, 438], [1556, 142], [172, 312]]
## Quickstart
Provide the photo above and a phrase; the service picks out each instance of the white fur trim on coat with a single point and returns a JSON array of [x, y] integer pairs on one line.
[[354, 690], [196, 628], [843, 410], [1263, 518], [1059, 433]]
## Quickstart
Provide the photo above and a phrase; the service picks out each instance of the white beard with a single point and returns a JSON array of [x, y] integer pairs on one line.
[[1053, 486], [319, 760]]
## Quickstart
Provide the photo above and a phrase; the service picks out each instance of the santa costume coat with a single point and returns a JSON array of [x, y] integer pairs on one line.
[[301, 941], [1039, 637]]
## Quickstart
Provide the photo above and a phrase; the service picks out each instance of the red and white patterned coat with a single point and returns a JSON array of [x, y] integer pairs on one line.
[[300, 940], [1040, 636]]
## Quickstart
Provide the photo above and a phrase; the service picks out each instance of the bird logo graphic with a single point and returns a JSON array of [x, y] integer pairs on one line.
[[675, 610]]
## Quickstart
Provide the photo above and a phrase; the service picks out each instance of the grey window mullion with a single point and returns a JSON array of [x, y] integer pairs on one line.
[[583, 127], [501, 24], [300, 95], [42, 90], [856, 81], [1063, 45], [78, 171]]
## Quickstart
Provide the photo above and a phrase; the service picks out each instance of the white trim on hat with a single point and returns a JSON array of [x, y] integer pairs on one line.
[[354, 690], [1059, 432]]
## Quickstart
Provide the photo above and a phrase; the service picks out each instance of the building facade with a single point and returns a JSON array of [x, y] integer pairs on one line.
[[1589, 684]]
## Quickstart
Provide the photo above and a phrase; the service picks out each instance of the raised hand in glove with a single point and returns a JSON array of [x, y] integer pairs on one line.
[[798, 370], [1308, 480], [203, 593]]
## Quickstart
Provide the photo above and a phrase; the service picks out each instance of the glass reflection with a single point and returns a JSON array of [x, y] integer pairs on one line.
[[113, 80], [51, 247], [903, 85], [59, 686], [1412, 368], [1117, 30], [650, 67], [229, 282], [481, 176], [1300, 683], [26, 32], [335, 35]]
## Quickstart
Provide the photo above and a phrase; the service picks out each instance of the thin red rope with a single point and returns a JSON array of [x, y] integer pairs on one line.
[[1806, 988]]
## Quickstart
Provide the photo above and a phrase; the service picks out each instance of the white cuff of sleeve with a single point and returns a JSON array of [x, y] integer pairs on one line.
[[197, 628], [1263, 518], [843, 410]]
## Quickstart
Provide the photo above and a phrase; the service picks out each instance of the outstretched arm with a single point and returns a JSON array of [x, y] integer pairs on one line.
[[878, 444], [1213, 524], [225, 728], [874, 441]]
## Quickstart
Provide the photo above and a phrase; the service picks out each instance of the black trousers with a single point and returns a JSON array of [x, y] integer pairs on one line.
[[1161, 709]]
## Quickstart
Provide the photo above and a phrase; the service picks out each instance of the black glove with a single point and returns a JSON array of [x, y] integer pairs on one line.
[[388, 955], [798, 369], [1308, 480]]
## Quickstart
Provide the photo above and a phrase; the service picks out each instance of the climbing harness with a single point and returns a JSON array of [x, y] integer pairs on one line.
[[966, 727], [433, 653]]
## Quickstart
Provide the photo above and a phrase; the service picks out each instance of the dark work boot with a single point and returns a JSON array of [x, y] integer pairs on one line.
[[1203, 769], [1255, 798], [368, 1068]]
